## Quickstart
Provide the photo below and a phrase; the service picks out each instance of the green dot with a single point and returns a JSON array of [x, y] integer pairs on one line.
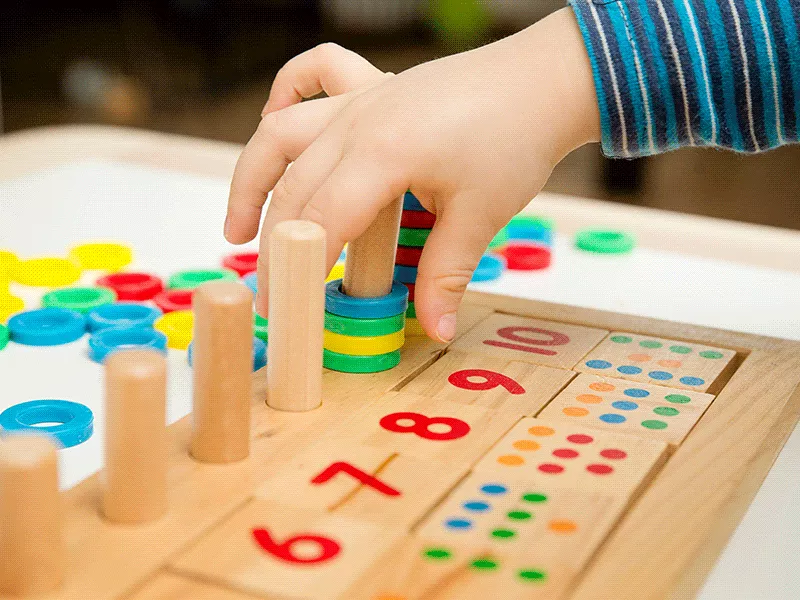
[[654, 424], [680, 349], [484, 564], [437, 553], [519, 515], [532, 575], [621, 339], [711, 354], [650, 344], [503, 533], [534, 498], [677, 399], [665, 411]]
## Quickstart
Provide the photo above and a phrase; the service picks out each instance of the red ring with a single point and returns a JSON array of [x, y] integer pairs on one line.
[[170, 300], [408, 256], [417, 219], [410, 287], [132, 286], [243, 262], [527, 257]]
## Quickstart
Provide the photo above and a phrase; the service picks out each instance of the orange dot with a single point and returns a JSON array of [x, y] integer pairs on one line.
[[675, 364], [589, 399], [528, 445], [601, 386], [541, 430], [575, 411], [639, 357], [562, 526], [511, 460]]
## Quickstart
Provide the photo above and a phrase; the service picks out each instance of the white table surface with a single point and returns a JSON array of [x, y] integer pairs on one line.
[[174, 220]]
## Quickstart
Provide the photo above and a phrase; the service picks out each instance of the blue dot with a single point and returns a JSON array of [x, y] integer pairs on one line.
[[629, 370], [612, 418], [458, 523], [663, 375], [476, 505], [692, 381], [636, 393], [494, 489], [624, 405], [598, 364]]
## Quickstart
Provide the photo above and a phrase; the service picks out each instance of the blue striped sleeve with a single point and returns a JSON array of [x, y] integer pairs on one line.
[[675, 73]]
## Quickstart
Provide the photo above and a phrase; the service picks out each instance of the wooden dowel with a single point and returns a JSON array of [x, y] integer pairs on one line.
[[369, 266], [31, 544], [135, 474], [223, 364], [296, 315]]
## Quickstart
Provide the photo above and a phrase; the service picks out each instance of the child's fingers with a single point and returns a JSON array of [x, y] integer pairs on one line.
[[327, 67]]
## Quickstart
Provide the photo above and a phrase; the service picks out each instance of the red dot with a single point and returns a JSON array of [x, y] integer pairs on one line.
[[613, 453], [599, 469], [550, 468], [565, 453], [580, 438]]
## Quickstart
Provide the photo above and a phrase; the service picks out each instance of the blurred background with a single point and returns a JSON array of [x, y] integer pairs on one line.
[[204, 68]]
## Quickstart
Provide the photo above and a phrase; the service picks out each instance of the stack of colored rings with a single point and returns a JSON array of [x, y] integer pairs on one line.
[[530, 240], [363, 335], [415, 226]]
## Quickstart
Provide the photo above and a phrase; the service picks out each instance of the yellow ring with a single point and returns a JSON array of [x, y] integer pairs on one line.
[[9, 305], [46, 272], [337, 272], [102, 256], [364, 346], [413, 327], [8, 260], [178, 326]]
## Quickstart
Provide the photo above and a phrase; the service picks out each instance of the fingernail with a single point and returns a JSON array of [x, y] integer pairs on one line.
[[446, 329], [226, 227]]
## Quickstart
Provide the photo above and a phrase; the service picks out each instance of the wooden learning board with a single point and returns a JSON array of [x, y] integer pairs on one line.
[[530, 459]]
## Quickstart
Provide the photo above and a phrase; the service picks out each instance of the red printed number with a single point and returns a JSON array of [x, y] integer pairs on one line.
[[355, 472], [527, 344], [421, 426], [327, 548], [491, 380]]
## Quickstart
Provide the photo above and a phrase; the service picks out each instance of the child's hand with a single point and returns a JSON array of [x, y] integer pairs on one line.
[[474, 136]]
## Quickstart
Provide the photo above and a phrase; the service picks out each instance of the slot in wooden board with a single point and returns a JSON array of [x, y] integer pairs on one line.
[[169, 586]]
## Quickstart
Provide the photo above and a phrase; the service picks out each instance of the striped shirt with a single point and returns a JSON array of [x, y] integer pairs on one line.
[[675, 73]]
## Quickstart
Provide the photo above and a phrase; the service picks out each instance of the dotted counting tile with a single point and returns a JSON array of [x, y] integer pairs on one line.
[[651, 411], [662, 362]]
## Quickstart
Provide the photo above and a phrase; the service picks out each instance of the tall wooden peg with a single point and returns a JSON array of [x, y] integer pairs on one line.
[[223, 366], [135, 475], [369, 266], [31, 546], [296, 315]]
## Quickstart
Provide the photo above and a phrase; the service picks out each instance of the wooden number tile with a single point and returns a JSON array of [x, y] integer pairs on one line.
[[660, 362], [501, 383], [277, 551], [168, 586], [569, 455], [531, 340], [650, 411], [374, 484]]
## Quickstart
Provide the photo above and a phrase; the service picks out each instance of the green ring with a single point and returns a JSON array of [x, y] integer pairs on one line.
[[359, 364], [411, 311], [413, 237], [260, 327], [3, 336], [81, 299], [188, 280], [364, 327], [533, 221], [604, 241], [501, 239]]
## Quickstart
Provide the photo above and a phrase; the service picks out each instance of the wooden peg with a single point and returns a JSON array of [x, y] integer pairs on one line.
[[135, 474], [296, 315], [31, 545], [223, 366], [369, 266]]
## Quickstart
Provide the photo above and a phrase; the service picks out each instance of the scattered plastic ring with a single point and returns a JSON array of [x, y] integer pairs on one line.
[[339, 303], [132, 286], [242, 262], [8, 260], [525, 257], [489, 268], [172, 300], [499, 240], [408, 256], [412, 287], [337, 272], [102, 256], [10, 305], [531, 233], [47, 327], [178, 326], [603, 241], [251, 281], [75, 421], [532, 221], [122, 315], [413, 237], [46, 272], [405, 274], [260, 327], [360, 364], [417, 219], [105, 341], [82, 299], [188, 280], [411, 311], [259, 354], [363, 346], [364, 327], [410, 202], [3, 336], [413, 328]]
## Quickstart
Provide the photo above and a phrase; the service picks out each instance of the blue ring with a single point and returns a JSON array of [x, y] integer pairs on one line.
[[107, 340], [488, 269], [259, 353], [410, 202], [405, 274], [251, 281], [122, 315], [530, 233], [76, 422], [339, 303], [47, 326]]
